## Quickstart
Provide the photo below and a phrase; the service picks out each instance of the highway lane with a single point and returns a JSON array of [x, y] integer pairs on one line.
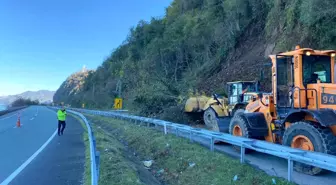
[[9, 120], [272, 165], [19, 144]]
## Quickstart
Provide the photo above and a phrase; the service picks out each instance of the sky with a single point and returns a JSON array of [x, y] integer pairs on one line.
[[43, 42]]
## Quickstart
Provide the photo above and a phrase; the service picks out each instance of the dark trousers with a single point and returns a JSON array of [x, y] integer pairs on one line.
[[61, 127]]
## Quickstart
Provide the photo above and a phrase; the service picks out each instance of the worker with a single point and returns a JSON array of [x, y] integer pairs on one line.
[[61, 116], [241, 96], [313, 78]]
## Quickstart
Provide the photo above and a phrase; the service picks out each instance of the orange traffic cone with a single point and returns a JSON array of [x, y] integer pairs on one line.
[[18, 123]]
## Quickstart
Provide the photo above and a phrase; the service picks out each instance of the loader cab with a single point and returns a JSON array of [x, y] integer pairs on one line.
[[236, 89], [301, 78]]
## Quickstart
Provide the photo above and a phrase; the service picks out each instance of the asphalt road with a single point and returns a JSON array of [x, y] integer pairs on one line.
[[60, 162], [274, 166]]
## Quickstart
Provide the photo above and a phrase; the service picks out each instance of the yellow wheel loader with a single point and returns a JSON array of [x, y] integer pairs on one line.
[[217, 110], [301, 110]]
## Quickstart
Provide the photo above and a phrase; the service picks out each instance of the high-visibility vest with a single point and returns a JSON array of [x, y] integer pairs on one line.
[[61, 115]]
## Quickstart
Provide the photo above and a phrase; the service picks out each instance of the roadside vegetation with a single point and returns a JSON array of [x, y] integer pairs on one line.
[[24, 102], [124, 147], [87, 167]]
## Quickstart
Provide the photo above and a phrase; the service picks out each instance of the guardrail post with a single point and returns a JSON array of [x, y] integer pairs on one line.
[[290, 169], [176, 131], [190, 136], [165, 128], [98, 162], [242, 154], [94, 141], [212, 144]]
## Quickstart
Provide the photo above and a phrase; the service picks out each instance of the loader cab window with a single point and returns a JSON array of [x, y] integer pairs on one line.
[[234, 92], [316, 67], [236, 89], [251, 87], [334, 72], [285, 80]]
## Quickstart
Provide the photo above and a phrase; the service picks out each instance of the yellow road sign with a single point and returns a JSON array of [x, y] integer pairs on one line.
[[83, 105], [117, 103]]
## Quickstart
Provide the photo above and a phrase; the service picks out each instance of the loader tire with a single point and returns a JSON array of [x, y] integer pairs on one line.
[[210, 119], [237, 112], [309, 136], [239, 127]]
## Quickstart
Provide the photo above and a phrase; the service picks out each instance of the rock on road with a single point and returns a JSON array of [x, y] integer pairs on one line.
[[60, 162]]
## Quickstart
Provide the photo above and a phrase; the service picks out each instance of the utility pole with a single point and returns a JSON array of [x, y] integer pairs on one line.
[[93, 91], [118, 88], [117, 93]]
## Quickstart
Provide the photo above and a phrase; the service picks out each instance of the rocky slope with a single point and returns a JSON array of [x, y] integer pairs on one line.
[[69, 89]]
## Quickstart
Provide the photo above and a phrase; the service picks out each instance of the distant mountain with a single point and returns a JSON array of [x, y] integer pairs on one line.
[[43, 96]]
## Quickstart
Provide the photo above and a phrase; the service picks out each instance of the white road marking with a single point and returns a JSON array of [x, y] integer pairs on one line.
[[31, 158], [8, 117]]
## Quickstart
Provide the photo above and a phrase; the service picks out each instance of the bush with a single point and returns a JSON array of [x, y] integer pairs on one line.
[[24, 102]]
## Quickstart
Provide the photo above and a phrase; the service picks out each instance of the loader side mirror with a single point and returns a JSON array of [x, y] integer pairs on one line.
[[261, 75], [257, 86]]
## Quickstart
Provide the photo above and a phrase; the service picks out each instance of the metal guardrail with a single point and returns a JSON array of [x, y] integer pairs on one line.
[[94, 154], [317, 159], [12, 109]]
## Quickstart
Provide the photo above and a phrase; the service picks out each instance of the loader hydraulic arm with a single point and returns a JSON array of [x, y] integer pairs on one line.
[[216, 98]]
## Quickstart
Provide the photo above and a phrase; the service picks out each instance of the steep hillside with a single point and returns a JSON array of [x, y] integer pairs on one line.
[[201, 44], [69, 89], [43, 96]]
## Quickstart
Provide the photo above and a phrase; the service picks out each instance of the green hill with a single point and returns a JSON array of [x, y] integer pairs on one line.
[[200, 45]]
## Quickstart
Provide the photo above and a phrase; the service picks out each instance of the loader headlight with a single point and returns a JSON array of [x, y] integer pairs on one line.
[[333, 54], [308, 53]]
